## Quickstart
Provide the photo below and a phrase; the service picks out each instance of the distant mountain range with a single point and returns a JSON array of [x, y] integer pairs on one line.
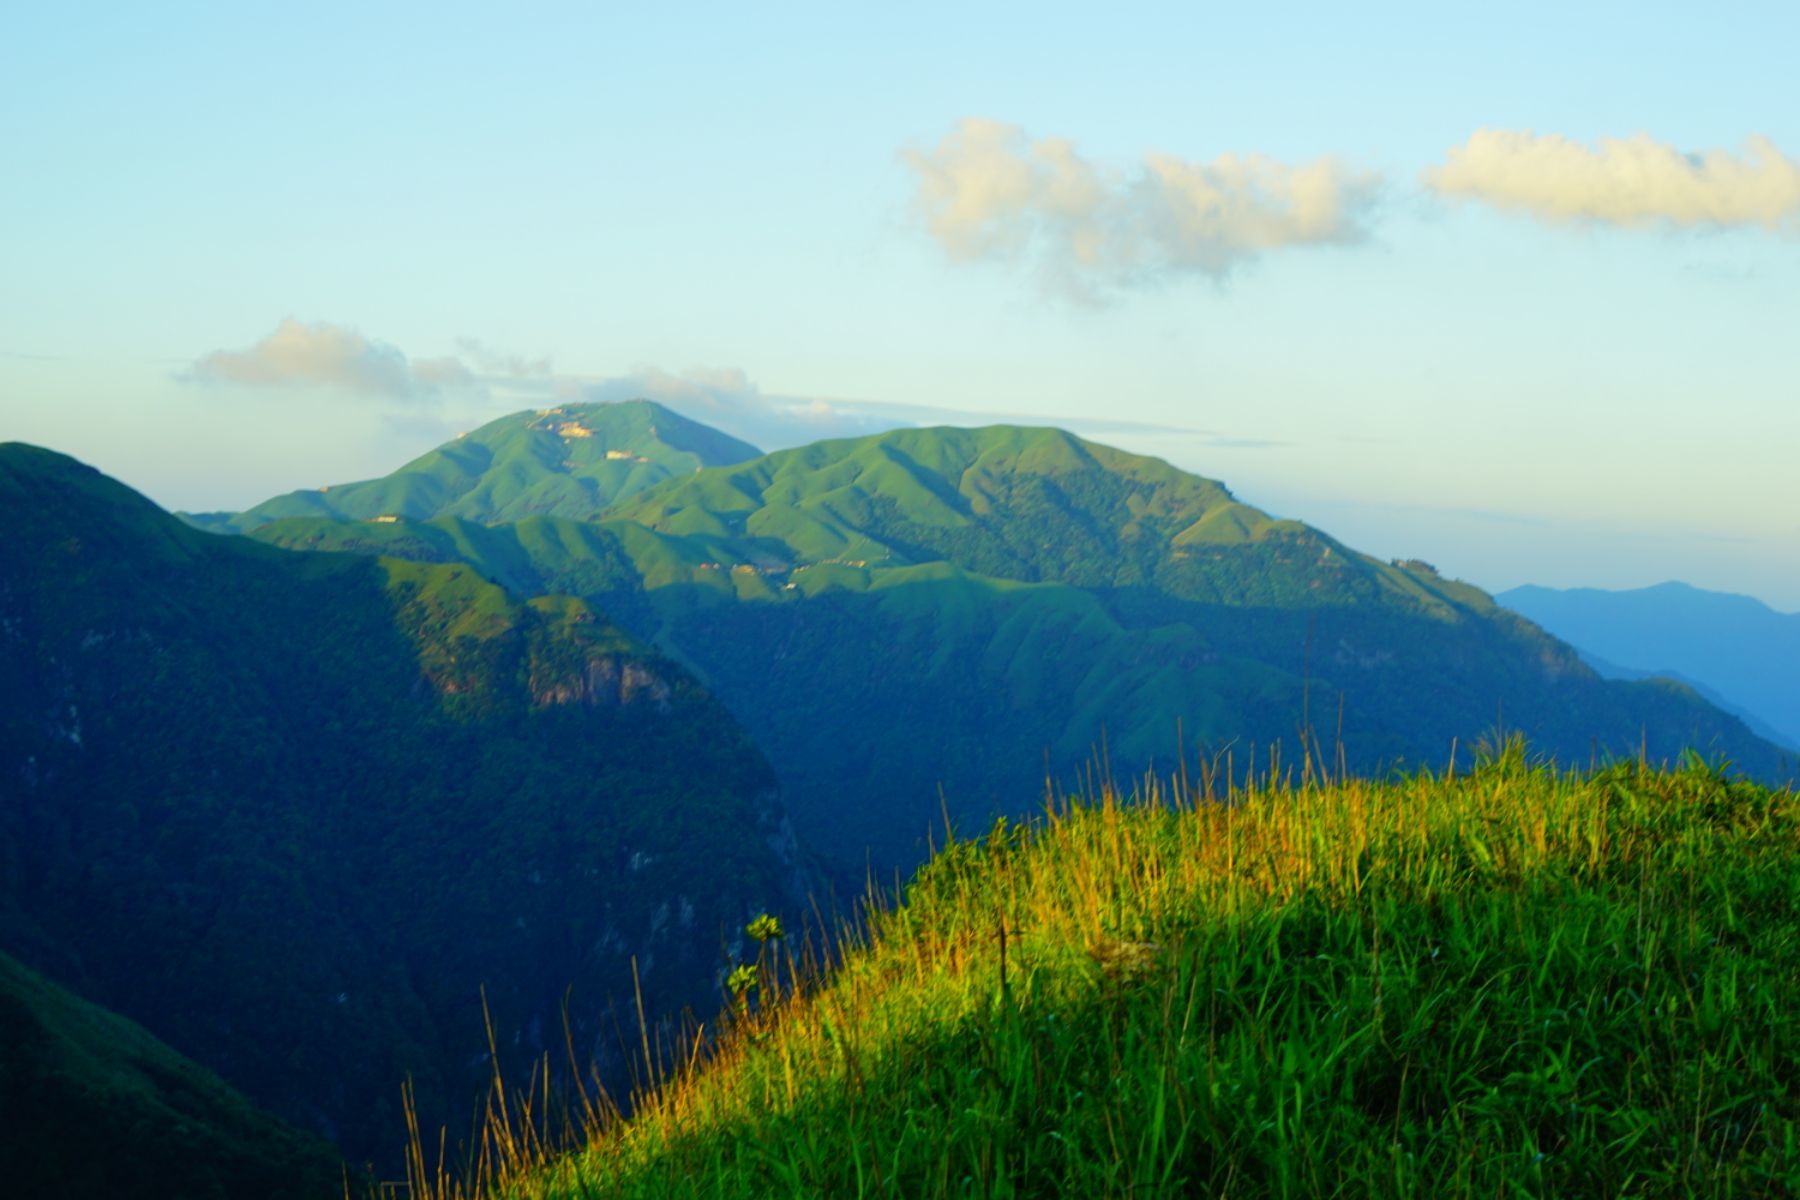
[[297, 814], [1738, 650], [973, 611]]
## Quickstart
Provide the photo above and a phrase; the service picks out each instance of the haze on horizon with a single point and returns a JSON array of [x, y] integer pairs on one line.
[[1517, 298]]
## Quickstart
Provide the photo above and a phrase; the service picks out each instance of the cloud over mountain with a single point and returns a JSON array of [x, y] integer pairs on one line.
[[1623, 181], [729, 399], [480, 380], [321, 355], [987, 191]]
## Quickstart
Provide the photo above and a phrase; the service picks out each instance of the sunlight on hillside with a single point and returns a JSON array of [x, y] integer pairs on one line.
[[1518, 981]]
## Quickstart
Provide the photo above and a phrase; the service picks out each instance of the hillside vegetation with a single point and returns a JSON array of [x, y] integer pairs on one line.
[[1514, 982], [1012, 597], [292, 812]]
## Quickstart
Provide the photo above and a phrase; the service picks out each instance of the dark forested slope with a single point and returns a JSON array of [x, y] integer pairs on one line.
[[293, 812], [94, 1108]]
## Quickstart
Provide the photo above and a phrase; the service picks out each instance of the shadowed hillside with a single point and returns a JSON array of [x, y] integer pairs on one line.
[[94, 1108], [294, 812]]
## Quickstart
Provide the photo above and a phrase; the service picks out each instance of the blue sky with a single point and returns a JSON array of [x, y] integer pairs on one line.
[[1527, 371]]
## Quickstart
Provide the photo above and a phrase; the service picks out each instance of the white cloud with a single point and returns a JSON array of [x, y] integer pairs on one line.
[[987, 191], [1624, 181], [728, 399], [479, 383], [322, 355]]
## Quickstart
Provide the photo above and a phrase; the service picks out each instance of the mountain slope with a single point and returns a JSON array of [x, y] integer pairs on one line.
[[293, 812], [94, 1108], [570, 461], [1752, 722], [1508, 982], [970, 608], [1736, 645], [1030, 504]]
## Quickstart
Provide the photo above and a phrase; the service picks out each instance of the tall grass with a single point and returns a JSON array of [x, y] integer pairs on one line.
[[1515, 983]]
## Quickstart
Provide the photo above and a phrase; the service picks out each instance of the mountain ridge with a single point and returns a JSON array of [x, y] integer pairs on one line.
[[1015, 597]]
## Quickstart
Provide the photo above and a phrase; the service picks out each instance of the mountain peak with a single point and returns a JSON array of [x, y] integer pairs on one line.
[[567, 460], [625, 419]]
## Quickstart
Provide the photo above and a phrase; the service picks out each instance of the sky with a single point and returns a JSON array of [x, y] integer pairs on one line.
[[1511, 290]]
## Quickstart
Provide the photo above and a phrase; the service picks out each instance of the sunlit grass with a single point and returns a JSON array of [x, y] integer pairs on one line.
[[1518, 982]]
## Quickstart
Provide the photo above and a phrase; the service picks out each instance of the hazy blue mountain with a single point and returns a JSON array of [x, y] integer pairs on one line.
[[294, 812], [1734, 646], [975, 609], [1756, 725]]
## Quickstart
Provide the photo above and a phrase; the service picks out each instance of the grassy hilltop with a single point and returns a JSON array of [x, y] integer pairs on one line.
[[1513, 983]]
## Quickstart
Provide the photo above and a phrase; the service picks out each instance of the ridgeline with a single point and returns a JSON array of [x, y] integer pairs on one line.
[[1013, 597]]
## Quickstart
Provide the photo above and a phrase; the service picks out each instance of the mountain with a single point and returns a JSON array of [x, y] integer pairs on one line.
[[1752, 722], [1735, 646], [92, 1107], [295, 812], [961, 611], [571, 461]]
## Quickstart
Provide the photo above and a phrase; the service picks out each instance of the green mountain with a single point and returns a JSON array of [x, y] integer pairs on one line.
[[1025, 504], [571, 461], [968, 609], [92, 1107], [294, 812]]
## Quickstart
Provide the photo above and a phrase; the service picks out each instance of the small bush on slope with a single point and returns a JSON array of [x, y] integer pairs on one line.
[[1513, 983]]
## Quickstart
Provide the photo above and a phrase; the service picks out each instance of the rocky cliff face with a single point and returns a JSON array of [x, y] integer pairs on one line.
[[608, 681]]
